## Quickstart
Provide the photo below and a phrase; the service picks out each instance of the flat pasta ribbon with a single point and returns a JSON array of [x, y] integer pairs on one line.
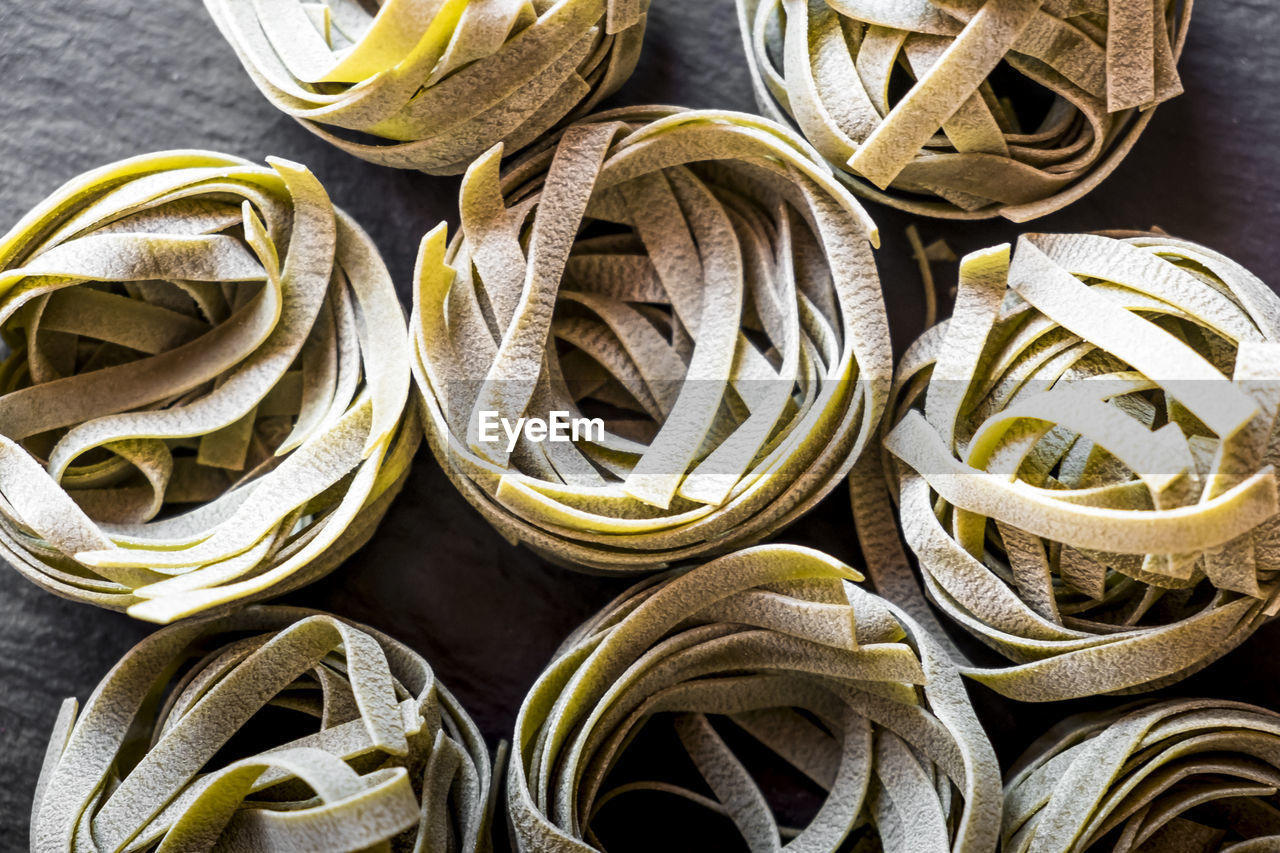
[[775, 644], [695, 287], [432, 84], [967, 109], [1179, 776], [273, 729], [205, 394], [1084, 461]]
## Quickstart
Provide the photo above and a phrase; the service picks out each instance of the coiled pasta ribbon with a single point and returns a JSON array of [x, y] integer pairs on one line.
[[775, 644], [204, 399], [1083, 457], [695, 280], [967, 109], [1182, 775], [432, 84], [274, 729]]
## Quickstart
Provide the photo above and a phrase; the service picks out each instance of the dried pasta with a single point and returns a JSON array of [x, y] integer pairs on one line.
[[695, 281], [935, 106], [778, 644], [205, 398], [433, 84], [1185, 775], [273, 729], [1083, 457]]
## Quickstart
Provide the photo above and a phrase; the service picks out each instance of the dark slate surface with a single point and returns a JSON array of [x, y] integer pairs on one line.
[[89, 81]]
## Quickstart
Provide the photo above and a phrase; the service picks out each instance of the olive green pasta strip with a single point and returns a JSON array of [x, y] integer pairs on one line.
[[344, 530], [1206, 524], [935, 97], [519, 357]]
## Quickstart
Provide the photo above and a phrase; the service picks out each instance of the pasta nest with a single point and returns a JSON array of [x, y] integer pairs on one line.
[[205, 396], [1186, 774], [1084, 460], [695, 282], [273, 729], [432, 84], [967, 109], [777, 647]]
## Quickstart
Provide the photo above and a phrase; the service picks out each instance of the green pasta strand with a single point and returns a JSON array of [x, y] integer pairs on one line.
[[433, 84], [1179, 776], [273, 729], [204, 400], [967, 109], [1083, 458], [697, 284], [779, 644]]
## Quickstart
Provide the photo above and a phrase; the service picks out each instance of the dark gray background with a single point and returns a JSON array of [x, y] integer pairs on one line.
[[90, 81]]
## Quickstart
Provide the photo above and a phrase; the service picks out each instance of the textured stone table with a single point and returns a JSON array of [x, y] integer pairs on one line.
[[88, 81]]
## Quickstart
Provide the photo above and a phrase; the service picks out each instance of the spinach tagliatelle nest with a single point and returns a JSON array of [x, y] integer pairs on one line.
[[1084, 462], [967, 108], [432, 84], [695, 283], [274, 729], [1179, 776], [204, 399], [775, 646]]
